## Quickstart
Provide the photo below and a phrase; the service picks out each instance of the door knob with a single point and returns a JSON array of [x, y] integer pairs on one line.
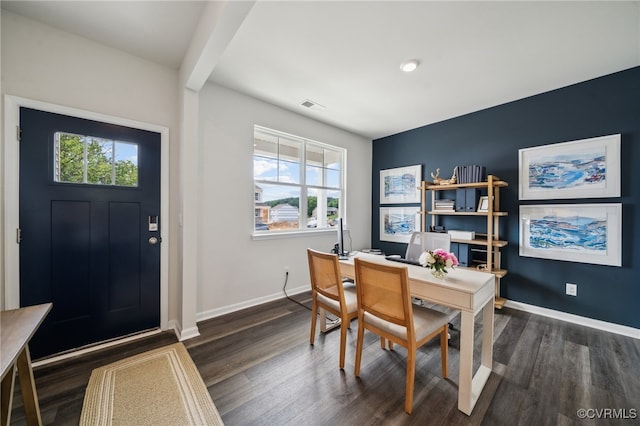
[[153, 241]]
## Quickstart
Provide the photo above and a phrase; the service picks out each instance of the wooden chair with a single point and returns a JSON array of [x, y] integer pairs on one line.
[[385, 308], [329, 293]]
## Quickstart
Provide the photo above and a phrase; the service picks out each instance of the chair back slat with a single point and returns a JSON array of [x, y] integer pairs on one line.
[[324, 272], [383, 291]]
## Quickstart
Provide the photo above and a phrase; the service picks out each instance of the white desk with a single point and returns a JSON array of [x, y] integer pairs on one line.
[[469, 291]]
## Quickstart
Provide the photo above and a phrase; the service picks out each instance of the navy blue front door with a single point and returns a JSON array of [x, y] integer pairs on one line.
[[87, 232]]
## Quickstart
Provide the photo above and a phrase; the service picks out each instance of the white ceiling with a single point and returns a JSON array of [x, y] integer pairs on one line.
[[346, 55]]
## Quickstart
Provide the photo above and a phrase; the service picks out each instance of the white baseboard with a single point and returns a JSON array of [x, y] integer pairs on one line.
[[212, 313], [185, 334], [563, 316], [576, 319], [188, 333]]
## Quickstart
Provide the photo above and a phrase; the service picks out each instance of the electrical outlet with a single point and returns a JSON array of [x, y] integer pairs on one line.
[[572, 289]]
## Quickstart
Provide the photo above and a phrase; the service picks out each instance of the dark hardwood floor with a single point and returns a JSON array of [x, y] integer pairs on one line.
[[261, 370]]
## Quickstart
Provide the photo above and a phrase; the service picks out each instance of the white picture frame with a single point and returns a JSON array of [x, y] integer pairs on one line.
[[586, 233], [398, 223], [586, 168], [483, 205], [400, 185]]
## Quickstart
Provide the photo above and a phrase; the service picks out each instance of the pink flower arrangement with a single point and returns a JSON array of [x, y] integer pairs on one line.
[[438, 260]]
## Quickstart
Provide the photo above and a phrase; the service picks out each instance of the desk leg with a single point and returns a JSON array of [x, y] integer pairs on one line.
[[487, 336], [466, 362], [470, 386], [7, 396], [324, 327], [28, 387]]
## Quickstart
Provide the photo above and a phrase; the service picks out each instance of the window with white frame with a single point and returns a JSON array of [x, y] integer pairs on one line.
[[298, 183]]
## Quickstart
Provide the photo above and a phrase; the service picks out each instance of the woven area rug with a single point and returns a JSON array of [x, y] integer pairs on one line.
[[158, 387]]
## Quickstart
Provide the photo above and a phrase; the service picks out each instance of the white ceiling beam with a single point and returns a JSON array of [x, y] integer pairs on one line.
[[218, 25]]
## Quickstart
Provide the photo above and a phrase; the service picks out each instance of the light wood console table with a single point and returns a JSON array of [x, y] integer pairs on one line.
[[17, 327]]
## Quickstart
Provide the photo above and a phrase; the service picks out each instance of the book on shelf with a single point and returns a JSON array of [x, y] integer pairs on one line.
[[444, 204], [471, 174]]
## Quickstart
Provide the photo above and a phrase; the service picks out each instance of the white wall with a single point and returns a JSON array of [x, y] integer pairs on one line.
[[2, 192], [45, 64], [42, 63], [235, 270]]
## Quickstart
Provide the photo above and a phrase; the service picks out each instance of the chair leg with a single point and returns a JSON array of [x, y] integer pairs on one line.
[[444, 351], [314, 316], [386, 344], [411, 372], [356, 369], [344, 325]]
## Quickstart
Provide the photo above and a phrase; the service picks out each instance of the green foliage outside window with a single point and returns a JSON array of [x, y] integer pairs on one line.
[[101, 169], [126, 173]]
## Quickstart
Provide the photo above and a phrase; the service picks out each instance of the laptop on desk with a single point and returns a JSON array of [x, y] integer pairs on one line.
[[421, 242], [397, 258]]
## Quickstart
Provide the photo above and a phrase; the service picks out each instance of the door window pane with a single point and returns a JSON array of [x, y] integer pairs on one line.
[[69, 158], [95, 161], [126, 164], [99, 161]]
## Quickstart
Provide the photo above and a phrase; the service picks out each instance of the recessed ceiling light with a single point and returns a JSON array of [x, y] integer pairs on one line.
[[409, 65]]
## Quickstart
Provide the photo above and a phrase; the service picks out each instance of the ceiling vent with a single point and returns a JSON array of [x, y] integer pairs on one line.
[[312, 105]]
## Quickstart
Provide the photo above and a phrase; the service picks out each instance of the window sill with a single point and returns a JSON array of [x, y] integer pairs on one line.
[[272, 235]]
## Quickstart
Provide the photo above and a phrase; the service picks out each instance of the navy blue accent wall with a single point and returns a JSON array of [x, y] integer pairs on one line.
[[492, 137]]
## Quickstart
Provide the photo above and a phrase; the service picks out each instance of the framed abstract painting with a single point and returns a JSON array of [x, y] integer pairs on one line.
[[586, 233], [587, 168], [400, 185], [398, 223]]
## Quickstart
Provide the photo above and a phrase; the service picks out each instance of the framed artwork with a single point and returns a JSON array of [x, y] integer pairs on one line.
[[483, 205], [587, 233], [401, 185], [587, 168], [398, 223]]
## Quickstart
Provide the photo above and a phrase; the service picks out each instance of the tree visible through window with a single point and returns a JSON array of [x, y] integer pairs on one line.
[[298, 183], [97, 161]]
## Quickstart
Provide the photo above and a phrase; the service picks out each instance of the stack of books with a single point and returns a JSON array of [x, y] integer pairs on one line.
[[444, 204], [471, 174]]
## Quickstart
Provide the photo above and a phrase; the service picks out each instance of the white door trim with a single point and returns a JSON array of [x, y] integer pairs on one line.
[[11, 177]]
